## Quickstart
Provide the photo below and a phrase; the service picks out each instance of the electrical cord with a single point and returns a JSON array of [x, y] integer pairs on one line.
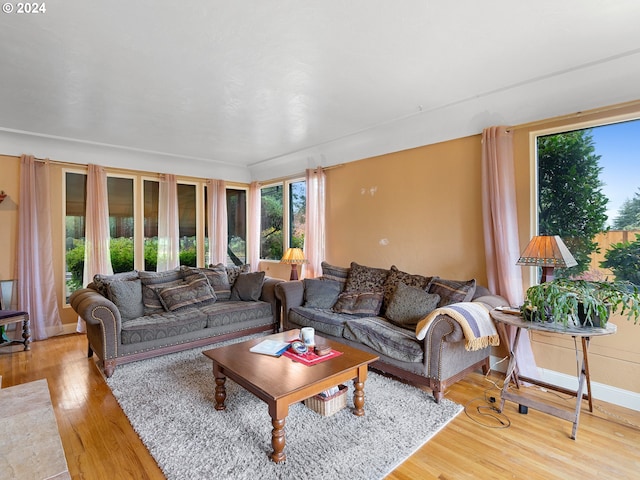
[[487, 414]]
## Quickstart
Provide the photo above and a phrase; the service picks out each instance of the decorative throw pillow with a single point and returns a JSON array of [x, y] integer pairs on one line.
[[219, 280], [365, 279], [101, 282], [364, 304], [331, 272], [233, 272], [127, 296], [153, 281], [397, 276], [248, 287], [452, 291], [409, 305], [321, 293], [193, 291]]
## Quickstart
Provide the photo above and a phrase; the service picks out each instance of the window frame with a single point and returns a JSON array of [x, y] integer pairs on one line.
[[286, 211]]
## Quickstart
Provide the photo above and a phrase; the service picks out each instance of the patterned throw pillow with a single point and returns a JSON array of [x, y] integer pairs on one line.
[[397, 276], [234, 272], [452, 291], [321, 293], [331, 272], [364, 304], [409, 305], [153, 281], [192, 291], [365, 279], [102, 282], [127, 297], [248, 287], [219, 280]]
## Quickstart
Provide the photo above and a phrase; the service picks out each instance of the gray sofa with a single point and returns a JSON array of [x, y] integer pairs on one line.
[[377, 310], [135, 315]]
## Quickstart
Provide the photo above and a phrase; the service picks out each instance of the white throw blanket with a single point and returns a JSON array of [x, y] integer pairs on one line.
[[477, 325]]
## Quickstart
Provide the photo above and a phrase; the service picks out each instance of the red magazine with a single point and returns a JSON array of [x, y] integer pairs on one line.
[[310, 358]]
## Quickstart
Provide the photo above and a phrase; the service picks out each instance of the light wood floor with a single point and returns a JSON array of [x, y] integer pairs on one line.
[[100, 444]]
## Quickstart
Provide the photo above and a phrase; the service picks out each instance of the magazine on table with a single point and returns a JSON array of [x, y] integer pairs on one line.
[[275, 348]]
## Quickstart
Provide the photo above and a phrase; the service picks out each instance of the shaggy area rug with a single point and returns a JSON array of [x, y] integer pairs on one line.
[[169, 401]]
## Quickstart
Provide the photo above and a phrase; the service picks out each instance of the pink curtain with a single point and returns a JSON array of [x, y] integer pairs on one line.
[[502, 248], [253, 233], [35, 285], [314, 227], [168, 224], [97, 256], [217, 221]]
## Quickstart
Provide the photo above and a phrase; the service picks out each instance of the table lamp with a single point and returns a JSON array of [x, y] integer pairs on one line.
[[294, 256], [548, 252]]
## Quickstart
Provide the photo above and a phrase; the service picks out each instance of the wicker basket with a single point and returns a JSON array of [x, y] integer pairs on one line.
[[327, 406]]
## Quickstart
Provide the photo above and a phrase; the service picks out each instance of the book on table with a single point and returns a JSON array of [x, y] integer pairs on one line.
[[275, 348]]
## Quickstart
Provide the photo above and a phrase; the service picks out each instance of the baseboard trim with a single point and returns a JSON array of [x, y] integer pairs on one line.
[[600, 391]]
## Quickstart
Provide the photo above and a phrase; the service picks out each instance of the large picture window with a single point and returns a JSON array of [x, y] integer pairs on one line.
[[589, 194], [282, 218]]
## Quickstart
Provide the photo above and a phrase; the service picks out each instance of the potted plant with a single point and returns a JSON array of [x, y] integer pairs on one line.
[[576, 302]]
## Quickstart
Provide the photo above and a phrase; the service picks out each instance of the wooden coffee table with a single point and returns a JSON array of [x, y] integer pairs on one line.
[[280, 382]]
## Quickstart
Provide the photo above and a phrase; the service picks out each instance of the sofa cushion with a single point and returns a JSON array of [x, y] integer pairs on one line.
[[194, 290], [219, 280], [398, 276], [331, 272], [127, 296], [321, 293], [365, 279], [234, 312], [409, 305], [248, 287], [101, 282], [323, 320], [452, 291], [384, 337], [162, 325], [235, 271], [359, 303], [153, 281]]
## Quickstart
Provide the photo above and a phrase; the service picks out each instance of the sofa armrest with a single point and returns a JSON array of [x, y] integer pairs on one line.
[[291, 294], [103, 321], [268, 295], [492, 301]]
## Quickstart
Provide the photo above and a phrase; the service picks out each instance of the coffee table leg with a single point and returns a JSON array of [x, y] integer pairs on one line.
[[221, 391], [277, 440], [358, 398]]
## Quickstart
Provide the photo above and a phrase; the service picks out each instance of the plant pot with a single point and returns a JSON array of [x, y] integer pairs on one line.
[[595, 321]]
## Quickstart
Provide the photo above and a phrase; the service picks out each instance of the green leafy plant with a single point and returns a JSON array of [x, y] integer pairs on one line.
[[624, 260], [564, 301]]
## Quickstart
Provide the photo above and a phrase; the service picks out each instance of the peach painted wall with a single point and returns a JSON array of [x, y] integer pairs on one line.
[[613, 360], [10, 167], [418, 209]]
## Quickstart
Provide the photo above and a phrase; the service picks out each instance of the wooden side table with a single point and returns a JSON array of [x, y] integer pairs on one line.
[[8, 317], [584, 333]]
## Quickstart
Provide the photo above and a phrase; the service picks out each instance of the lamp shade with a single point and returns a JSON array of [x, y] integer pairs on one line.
[[293, 255], [547, 251]]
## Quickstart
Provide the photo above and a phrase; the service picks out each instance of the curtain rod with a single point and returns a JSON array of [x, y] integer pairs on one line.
[[297, 175]]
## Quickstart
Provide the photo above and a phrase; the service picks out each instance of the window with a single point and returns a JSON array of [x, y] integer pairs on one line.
[[150, 193], [121, 224], [589, 194], [282, 218], [187, 224], [237, 226], [75, 211]]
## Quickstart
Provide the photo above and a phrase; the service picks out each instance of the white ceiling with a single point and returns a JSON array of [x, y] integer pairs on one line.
[[253, 90]]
